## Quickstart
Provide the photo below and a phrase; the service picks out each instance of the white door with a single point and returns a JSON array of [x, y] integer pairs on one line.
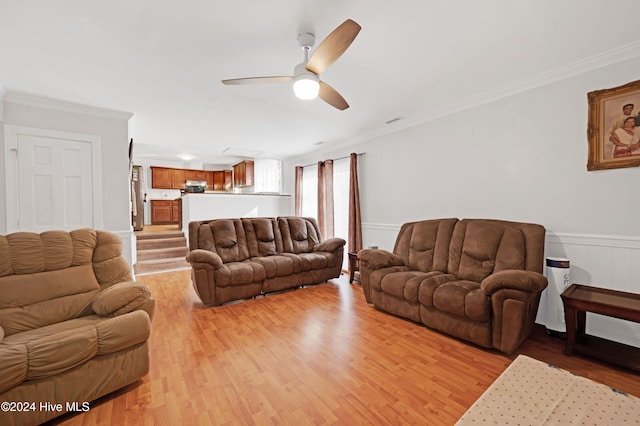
[[55, 181]]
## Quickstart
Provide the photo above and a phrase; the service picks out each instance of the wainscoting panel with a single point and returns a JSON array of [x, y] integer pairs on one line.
[[611, 262]]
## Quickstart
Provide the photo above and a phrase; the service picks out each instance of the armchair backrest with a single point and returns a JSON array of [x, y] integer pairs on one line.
[[54, 276], [299, 234], [424, 245], [481, 247], [225, 237], [263, 236]]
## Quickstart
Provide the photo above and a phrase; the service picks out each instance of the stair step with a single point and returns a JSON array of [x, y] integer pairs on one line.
[[160, 265], [156, 243], [162, 253], [156, 235]]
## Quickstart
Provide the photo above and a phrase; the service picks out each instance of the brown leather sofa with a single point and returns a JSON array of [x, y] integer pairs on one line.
[[476, 279], [236, 259], [73, 324]]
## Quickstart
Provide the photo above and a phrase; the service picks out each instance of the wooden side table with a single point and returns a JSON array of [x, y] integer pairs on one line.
[[580, 299], [353, 266]]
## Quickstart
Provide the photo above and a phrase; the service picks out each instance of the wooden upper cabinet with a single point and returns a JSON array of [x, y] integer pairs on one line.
[[243, 173], [177, 178], [228, 180], [195, 174], [160, 177], [169, 178]]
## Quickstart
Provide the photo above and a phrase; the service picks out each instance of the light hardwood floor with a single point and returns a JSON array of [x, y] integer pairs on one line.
[[317, 355]]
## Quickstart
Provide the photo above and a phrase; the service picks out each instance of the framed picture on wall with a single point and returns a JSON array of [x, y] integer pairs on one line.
[[614, 127]]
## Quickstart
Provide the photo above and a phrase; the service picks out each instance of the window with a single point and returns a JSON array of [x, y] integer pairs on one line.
[[340, 197], [267, 175]]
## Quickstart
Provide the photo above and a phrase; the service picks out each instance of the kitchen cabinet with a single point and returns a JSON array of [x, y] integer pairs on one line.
[[170, 178], [165, 212], [220, 180], [177, 178], [195, 174], [243, 173], [160, 177], [167, 178]]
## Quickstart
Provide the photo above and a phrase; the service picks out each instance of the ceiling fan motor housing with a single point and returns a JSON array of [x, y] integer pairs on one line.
[[306, 84]]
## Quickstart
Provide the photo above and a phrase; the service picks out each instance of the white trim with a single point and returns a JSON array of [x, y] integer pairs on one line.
[[36, 101], [617, 241], [382, 227], [11, 133], [619, 54]]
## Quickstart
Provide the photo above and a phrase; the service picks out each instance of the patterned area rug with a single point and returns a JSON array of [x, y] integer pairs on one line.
[[531, 392]]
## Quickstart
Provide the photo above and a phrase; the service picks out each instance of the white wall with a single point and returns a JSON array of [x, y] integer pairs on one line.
[[520, 158], [3, 184], [112, 128]]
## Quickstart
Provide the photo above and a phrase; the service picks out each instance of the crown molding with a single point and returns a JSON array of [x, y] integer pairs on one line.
[[36, 101], [611, 57]]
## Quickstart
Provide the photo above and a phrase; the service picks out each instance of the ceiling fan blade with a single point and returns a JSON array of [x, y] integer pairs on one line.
[[332, 97], [333, 46], [258, 80]]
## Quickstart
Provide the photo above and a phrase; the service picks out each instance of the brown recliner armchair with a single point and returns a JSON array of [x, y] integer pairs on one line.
[[73, 324], [476, 279]]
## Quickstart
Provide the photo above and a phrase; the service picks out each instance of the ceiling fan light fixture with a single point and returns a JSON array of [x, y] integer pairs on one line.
[[306, 86]]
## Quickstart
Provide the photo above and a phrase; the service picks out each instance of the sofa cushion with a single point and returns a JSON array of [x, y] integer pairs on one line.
[[311, 261], [120, 298], [299, 234], [463, 298], [482, 247], [239, 273], [36, 354], [29, 253], [424, 245], [276, 266], [227, 242], [39, 299], [263, 236], [404, 284]]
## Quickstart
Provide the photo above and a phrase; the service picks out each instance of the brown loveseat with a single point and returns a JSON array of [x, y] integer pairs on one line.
[[235, 259], [475, 279], [73, 324]]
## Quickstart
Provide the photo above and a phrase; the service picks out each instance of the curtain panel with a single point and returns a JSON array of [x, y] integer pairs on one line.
[[325, 198], [298, 194]]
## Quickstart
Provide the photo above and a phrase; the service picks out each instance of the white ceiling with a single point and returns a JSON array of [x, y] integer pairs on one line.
[[163, 61]]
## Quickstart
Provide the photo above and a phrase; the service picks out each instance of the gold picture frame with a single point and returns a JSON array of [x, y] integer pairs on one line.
[[606, 110]]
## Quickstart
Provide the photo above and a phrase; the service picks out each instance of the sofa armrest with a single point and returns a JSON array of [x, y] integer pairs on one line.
[[120, 299], [527, 281], [377, 259], [330, 245], [204, 256]]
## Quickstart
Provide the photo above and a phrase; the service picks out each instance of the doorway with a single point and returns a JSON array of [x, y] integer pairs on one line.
[[53, 180]]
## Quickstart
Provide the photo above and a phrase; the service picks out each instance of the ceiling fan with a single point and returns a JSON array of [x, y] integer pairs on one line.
[[306, 75]]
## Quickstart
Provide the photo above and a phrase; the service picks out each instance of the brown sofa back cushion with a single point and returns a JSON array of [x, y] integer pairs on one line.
[[424, 245], [481, 247], [52, 277], [299, 234], [263, 236], [225, 237]]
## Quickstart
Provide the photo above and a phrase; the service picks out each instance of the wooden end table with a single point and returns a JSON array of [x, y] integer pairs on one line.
[[580, 299]]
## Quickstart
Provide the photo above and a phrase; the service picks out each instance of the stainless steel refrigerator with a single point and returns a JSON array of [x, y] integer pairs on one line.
[[138, 197]]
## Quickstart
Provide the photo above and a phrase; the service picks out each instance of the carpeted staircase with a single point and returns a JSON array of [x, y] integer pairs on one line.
[[160, 251]]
